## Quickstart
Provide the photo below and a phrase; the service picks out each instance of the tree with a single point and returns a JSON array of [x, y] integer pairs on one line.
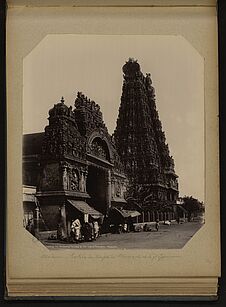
[[192, 205]]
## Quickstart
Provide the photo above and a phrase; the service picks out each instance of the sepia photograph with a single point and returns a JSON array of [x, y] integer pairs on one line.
[[113, 142], [112, 150]]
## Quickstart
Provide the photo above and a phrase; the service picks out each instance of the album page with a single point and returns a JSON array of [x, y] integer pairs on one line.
[[113, 176]]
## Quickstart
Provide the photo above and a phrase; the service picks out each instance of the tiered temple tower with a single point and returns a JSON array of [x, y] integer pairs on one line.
[[140, 141]]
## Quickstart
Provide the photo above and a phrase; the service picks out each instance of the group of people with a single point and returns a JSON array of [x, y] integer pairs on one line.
[[148, 227], [120, 228], [84, 232]]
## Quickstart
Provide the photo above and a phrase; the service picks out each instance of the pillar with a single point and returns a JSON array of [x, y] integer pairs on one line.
[[142, 216], [63, 223], [65, 178], [36, 222], [158, 215], [108, 191], [85, 179], [149, 216], [113, 187], [82, 184], [86, 218]]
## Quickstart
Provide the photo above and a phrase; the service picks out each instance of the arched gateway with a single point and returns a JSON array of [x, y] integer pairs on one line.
[[81, 175]]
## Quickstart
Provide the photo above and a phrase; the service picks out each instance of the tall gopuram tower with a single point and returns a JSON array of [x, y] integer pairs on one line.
[[141, 143]]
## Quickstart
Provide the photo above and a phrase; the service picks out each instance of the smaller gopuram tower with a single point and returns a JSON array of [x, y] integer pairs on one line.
[[80, 172], [140, 141]]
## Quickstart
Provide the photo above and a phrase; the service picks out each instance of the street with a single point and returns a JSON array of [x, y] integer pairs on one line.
[[168, 237]]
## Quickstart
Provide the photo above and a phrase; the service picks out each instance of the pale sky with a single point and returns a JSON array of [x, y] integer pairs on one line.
[[62, 65]]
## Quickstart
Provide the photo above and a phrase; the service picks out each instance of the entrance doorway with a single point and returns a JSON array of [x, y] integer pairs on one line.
[[97, 188]]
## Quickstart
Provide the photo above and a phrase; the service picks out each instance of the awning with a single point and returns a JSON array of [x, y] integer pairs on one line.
[[127, 213], [85, 208], [118, 200], [133, 213], [122, 212]]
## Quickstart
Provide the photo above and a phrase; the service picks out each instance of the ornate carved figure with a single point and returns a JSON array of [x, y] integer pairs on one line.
[[50, 177], [65, 178], [82, 183], [74, 180], [97, 149], [118, 191]]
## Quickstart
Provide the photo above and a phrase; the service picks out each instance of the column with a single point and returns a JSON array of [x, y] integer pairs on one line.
[[149, 216], [86, 218], [158, 216], [63, 221], [85, 174], [108, 191], [82, 182], [36, 222], [113, 187], [65, 179]]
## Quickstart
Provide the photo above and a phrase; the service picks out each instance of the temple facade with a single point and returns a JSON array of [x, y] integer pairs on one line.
[[73, 167], [76, 169], [141, 143]]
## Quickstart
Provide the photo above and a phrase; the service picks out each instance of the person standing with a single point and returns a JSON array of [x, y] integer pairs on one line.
[[30, 226], [96, 230], [157, 225], [76, 230]]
